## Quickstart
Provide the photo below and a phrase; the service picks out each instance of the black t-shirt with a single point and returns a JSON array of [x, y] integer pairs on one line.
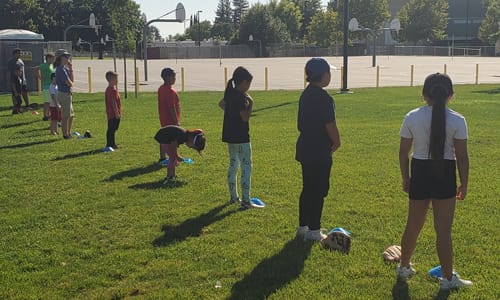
[[234, 129], [171, 133], [316, 109]]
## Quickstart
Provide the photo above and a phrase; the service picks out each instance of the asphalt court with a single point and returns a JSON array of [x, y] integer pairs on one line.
[[286, 73]]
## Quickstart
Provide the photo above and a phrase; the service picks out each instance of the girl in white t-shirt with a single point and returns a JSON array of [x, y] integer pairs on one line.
[[55, 107], [438, 136]]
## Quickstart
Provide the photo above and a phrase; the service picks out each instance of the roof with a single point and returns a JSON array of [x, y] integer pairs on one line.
[[20, 34]]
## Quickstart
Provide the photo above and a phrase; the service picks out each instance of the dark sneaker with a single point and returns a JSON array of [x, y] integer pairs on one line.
[[245, 205], [235, 200]]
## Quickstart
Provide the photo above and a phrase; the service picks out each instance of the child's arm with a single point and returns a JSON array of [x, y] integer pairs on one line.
[[245, 114], [115, 108], [173, 113], [333, 134], [222, 104]]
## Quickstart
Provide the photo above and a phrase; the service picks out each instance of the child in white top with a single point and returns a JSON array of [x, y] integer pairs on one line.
[[55, 107]]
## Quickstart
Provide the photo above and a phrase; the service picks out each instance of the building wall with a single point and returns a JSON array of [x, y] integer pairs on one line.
[[465, 17]]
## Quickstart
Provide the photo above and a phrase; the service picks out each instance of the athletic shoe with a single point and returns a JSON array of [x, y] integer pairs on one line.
[[163, 161], [67, 137], [235, 200], [245, 205], [454, 283], [301, 231], [45, 118], [314, 235], [403, 273]]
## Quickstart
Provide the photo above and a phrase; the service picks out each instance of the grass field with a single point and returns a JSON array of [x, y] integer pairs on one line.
[[77, 223]]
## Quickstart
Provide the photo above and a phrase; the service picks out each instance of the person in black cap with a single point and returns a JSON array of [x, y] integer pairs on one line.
[[319, 138], [14, 64]]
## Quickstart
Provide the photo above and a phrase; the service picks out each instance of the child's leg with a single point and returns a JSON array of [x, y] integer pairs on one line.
[[172, 161], [113, 125], [46, 111], [232, 171], [162, 152], [246, 170]]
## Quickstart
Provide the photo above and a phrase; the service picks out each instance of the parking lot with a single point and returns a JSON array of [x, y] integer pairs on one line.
[[286, 73]]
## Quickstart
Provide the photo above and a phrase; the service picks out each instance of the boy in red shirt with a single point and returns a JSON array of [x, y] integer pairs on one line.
[[113, 108], [169, 108]]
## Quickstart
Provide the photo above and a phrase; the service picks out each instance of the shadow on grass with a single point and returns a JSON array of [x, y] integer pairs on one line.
[[272, 106], [26, 131], [158, 185], [491, 92], [442, 295], [400, 291], [191, 227], [81, 154], [24, 145], [135, 172], [19, 124], [273, 273]]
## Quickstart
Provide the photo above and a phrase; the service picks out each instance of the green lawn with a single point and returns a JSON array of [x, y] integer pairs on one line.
[[77, 223]]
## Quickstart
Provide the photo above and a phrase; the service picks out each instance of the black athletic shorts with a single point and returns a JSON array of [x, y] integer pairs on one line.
[[427, 183]]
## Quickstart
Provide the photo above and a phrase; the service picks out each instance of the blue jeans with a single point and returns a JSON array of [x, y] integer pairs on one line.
[[239, 154]]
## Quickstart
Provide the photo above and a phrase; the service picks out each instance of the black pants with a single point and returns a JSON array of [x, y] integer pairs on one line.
[[315, 186], [113, 125]]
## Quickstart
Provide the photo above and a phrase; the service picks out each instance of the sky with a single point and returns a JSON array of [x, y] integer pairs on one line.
[[156, 8]]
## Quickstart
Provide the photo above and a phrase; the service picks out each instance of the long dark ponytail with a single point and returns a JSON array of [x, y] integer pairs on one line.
[[438, 88], [240, 74]]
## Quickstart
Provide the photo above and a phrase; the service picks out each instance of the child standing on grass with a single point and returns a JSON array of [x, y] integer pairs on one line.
[[16, 88], [174, 136], [237, 106], [55, 108], [319, 138], [113, 108], [169, 107], [438, 136], [44, 72]]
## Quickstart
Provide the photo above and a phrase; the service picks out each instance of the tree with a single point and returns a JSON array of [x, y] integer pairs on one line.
[[308, 9], [322, 30], [222, 31], [288, 13], [127, 30], [259, 23], [490, 28], [223, 26], [239, 10], [423, 20], [224, 12], [154, 34], [370, 14], [199, 31]]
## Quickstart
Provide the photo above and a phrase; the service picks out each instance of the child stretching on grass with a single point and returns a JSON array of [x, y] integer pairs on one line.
[[237, 106], [319, 138], [174, 136]]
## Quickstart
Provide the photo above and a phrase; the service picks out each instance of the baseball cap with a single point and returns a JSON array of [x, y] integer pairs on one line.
[[61, 52], [167, 72], [316, 67], [16, 50]]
